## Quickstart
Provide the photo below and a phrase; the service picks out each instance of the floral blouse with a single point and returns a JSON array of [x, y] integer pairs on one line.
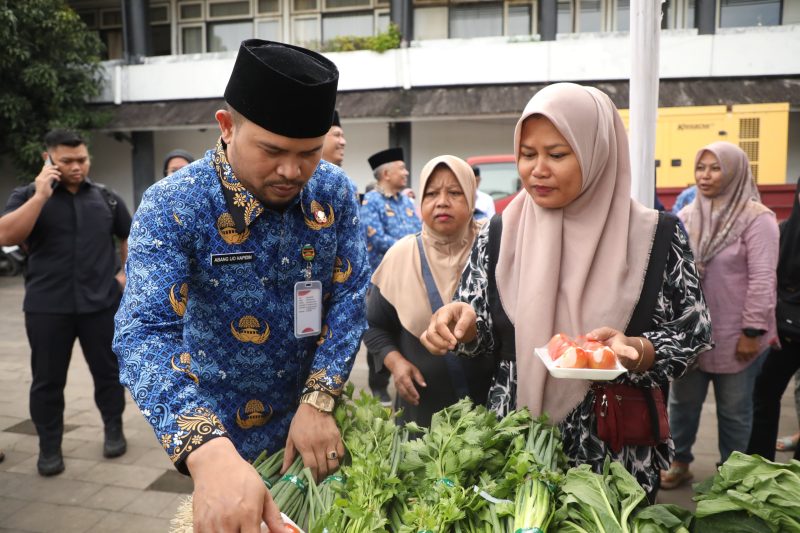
[[681, 330]]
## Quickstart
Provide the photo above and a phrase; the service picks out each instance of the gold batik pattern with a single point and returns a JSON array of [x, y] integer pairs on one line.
[[389, 210], [341, 274], [184, 365], [249, 330], [241, 198], [255, 415], [179, 302], [318, 381], [196, 428], [227, 230]]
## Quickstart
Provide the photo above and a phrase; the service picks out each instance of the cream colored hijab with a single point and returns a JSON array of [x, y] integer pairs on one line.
[[579, 267], [715, 223], [399, 277]]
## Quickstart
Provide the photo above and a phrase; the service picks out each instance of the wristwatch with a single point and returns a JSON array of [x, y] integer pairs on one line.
[[753, 332], [321, 400]]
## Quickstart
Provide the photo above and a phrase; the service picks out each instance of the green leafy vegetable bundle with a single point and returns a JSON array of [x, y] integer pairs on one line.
[[612, 502], [750, 494]]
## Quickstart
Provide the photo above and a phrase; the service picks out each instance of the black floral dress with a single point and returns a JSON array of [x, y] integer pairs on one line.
[[681, 330]]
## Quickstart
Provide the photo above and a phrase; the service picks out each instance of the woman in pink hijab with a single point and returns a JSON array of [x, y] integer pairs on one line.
[[734, 238], [577, 255]]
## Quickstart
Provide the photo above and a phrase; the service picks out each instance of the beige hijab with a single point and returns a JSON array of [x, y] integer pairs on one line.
[[715, 223], [399, 277], [579, 267]]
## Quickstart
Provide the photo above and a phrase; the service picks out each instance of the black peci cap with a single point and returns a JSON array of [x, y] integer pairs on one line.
[[385, 156], [336, 121], [285, 89]]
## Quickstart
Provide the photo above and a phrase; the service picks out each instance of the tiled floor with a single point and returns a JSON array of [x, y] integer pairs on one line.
[[140, 491]]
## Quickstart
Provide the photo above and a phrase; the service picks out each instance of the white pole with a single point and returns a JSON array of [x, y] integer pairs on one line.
[[645, 32]]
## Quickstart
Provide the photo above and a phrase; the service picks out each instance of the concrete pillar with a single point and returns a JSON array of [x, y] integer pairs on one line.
[[705, 16], [143, 162], [135, 30], [402, 14], [400, 136], [548, 18]]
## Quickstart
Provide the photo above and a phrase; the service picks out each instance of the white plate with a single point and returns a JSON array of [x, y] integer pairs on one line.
[[578, 373]]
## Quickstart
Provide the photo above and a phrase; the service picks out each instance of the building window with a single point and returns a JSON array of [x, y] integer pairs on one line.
[[192, 40], [564, 16], [678, 14], [736, 13], [336, 4], [591, 16], [519, 20], [269, 29], [305, 32], [382, 21], [304, 5], [348, 24], [476, 20], [190, 11], [227, 36], [229, 9], [268, 7], [430, 23], [160, 34], [623, 15], [580, 16]]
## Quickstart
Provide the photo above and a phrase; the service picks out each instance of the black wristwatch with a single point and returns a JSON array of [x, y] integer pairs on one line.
[[753, 332]]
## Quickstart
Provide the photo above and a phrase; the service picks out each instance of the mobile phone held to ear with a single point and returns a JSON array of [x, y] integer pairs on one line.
[[54, 182]]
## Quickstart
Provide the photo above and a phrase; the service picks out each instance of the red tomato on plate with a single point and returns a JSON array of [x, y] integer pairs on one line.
[[573, 357], [558, 344]]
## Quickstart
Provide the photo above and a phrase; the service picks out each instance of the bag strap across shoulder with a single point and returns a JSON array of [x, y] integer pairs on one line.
[[503, 329], [455, 367], [654, 277]]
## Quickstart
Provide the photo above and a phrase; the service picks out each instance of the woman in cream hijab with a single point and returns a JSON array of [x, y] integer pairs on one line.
[[399, 307], [573, 258]]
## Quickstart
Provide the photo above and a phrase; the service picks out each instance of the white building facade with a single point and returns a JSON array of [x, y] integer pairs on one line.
[[465, 72]]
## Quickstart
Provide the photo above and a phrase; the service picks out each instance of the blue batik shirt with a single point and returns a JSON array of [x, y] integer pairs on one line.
[[386, 219], [207, 348]]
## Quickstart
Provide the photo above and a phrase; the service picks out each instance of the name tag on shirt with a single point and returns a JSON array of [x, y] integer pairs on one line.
[[307, 308], [232, 259]]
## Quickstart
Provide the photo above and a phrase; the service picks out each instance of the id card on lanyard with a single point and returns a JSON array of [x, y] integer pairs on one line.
[[307, 308]]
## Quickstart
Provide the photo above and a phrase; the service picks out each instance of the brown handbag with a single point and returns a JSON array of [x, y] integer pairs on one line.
[[630, 416]]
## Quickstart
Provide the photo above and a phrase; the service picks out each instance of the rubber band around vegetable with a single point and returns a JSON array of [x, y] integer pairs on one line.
[[291, 478]]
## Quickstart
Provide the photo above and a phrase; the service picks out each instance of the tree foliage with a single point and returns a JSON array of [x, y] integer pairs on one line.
[[49, 69]]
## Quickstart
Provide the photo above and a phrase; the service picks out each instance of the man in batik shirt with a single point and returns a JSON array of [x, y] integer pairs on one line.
[[245, 301], [386, 215]]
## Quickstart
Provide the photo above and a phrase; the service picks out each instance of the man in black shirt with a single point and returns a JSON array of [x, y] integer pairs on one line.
[[71, 291]]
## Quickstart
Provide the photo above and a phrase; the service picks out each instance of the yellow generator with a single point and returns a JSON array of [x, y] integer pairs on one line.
[[761, 130]]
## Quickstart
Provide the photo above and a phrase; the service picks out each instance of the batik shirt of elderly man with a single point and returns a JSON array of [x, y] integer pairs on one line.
[[386, 215]]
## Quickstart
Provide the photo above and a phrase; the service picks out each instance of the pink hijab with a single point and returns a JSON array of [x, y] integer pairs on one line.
[[580, 267], [715, 223]]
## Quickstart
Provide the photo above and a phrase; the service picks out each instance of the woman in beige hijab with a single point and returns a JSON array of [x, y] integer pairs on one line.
[[573, 257], [418, 273]]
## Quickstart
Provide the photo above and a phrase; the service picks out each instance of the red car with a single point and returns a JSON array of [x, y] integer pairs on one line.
[[499, 177]]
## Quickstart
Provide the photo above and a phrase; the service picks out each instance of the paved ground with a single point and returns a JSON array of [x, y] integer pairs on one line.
[[140, 491]]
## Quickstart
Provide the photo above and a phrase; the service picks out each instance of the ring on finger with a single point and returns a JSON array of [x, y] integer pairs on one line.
[[332, 455]]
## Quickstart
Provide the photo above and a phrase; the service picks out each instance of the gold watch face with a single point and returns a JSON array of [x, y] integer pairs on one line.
[[322, 401]]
